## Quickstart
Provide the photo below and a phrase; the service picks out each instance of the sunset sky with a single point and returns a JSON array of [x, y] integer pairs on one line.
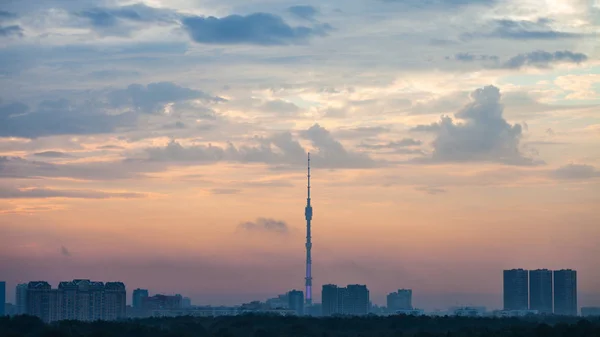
[[163, 143]]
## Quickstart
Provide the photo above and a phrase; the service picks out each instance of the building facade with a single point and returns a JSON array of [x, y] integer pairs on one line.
[[137, 297], [296, 301], [400, 300], [516, 289], [2, 297], [565, 292], [540, 291], [21, 298], [351, 300], [82, 300], [329, 300]]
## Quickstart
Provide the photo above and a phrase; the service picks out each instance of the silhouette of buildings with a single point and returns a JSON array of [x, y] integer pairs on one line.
[[296, 301], [352, 300], [83, 300], [516, 289], [162, 302], [565, 292], [590, 311], [400, 300], [2, 297], [137, 298], [540, 291], [186, 302], [21, 298]]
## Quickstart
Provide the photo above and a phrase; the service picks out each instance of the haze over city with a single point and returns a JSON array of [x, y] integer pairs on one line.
[[163, 144]]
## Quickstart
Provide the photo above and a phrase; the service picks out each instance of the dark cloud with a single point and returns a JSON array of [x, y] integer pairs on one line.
[[392, 145], [304, 11], [153, 97], [122, 20], [484, 134], [279, 149], [45, 193], [110, 147], [109, 17], [258, 29], [57, 118], [225, 191], [14, 30], [468, 57], [431, 190], [523, 30], [280, 107], [576, 172], [265, 225], [64, 251], [4, 15], [16, 167], [543, 59], [52, 154], [445, 4]]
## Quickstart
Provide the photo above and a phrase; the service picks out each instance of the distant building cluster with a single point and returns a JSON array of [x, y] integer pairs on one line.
[[541, 291], [82, 300]]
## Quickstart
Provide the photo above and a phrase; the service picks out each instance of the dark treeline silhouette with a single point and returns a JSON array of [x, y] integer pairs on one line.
[[276, 326]]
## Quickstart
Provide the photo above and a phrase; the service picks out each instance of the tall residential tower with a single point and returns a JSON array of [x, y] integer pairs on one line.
[[308, 216]]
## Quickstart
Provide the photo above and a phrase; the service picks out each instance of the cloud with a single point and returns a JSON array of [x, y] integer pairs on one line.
[[279, 149], [483, 136], [58, 117], [64, 251], [392, 145], [576, 172], [14, 30], [122, 20], [110, 17], [280, 107], [468, 57], [304, 11], [265, 225], [45, 193], [425, 4], [153, 97], [524, 30], [225, 191], [543, 59], [431, 190], [257, 29], [52, 154], [4, 15]]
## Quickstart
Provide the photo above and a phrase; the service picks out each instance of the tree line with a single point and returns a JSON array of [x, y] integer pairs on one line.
[[278, 326]]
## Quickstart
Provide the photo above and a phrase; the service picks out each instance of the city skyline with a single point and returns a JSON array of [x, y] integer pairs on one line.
[[163, 144]]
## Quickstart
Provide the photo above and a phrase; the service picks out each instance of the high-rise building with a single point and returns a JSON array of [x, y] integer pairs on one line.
[[38, 300], [296, 301], [540, 291], [351, 300], [356, 300], [21, 298], [138, 296], [516, 289], [162, 302], [115, 301], [83, 300], [329, 300], [400, 300], [2, 297], [565, 292]]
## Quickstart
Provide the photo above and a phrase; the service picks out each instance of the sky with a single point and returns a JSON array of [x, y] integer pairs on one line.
[[163, 144]]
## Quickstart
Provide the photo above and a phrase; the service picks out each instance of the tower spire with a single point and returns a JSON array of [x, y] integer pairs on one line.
[[308, 216]]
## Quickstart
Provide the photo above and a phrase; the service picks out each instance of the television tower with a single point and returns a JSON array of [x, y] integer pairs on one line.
[[308, 216]]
